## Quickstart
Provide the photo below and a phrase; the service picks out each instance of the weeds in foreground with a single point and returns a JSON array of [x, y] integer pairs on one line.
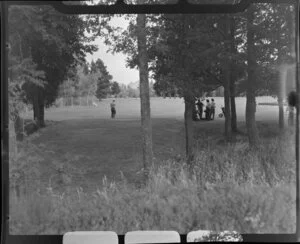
[[229, 188], [160, 205], [166, 202]]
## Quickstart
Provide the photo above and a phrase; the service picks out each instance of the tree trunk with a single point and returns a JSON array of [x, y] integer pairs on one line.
[[282, 74], [281, 111], [144, 94], [291, 118], [250, 119], [281, 90], [38, 108], [189, 133], [226, 77], [18, 124], [12, 141], [189, 99], [35, 106], [233, 108], [41, 120], [232, 78], [251, 102], [228, 134], [41, 115]]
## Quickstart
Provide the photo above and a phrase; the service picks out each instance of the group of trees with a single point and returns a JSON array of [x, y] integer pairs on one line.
[[45, 47], [187, 55], [191, 54], [133, 90], [88, 80], [241, 52]]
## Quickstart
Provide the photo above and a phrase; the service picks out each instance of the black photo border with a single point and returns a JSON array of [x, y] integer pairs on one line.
[[121, 8]]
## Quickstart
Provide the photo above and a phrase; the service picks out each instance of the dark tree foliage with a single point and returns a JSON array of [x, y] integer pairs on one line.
[[115, 88], [293, 99], [104, 79], [86, 70], [55, 42], [186, 61]]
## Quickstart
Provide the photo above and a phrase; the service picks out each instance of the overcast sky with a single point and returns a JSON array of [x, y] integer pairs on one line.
[[115, 63]]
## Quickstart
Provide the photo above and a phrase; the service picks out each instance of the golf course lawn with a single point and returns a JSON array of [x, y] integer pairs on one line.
[[86, 144]]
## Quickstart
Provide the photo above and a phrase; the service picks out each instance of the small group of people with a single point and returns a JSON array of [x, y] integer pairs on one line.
[[208, 109]]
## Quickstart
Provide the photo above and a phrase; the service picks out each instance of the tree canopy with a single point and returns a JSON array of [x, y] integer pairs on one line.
[[53, 43]]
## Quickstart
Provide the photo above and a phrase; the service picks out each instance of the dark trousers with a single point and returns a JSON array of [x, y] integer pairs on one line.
[[113, 113], [200, 112], [207, 114]]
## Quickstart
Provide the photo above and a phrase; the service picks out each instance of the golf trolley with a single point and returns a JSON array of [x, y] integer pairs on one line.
[[221, 115]]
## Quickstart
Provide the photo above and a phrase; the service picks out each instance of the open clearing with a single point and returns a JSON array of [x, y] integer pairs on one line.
[[90, 145], [129, 109], [81, 147]]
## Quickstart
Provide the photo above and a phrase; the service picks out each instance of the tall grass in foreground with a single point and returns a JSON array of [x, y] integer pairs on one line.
[[230, 187], [161, 205]]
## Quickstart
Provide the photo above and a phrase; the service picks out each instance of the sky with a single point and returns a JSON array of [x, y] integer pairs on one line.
[[115, 62]]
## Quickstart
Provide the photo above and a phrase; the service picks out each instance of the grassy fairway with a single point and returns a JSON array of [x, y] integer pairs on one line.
[[97, 147], [83, 147], [169, 108], [90, 145]]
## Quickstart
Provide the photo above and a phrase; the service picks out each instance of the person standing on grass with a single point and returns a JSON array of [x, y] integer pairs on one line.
[[292, 105], [195, 111], [207, 110], [200, 108], [290, 110], [113, 109], [213, 108]]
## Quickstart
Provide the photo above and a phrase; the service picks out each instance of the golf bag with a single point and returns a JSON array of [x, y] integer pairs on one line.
[[221, 115]]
